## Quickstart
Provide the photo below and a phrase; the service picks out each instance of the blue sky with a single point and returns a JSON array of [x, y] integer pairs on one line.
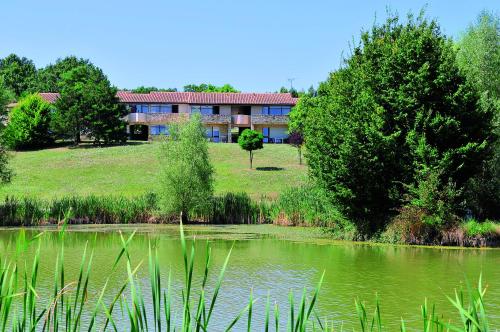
[[255, 45]]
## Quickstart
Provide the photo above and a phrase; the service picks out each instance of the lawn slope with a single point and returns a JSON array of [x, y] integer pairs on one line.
[[132, 170]]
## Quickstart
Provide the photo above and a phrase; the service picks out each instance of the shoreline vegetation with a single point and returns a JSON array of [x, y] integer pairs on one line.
[[69, 307], [291, 209]]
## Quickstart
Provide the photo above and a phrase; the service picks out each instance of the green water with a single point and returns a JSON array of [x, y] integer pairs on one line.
[[274, 259]]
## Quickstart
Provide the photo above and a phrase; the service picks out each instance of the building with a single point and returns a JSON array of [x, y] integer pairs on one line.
[[225, 115]]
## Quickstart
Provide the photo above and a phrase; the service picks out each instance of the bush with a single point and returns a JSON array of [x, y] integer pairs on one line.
[[486, 228], [29, 124]]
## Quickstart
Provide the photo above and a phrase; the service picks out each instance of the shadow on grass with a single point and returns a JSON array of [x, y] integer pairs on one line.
[[91, 145], [268, 169]]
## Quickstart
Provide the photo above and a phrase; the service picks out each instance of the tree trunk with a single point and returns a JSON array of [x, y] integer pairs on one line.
[[251, 159], [77, 134], [300, 156]]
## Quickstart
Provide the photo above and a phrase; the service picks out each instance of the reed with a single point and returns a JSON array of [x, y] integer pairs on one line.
[[68, 303]]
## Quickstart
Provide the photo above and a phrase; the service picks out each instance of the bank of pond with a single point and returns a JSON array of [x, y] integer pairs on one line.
[[238, 208], [227, 277]]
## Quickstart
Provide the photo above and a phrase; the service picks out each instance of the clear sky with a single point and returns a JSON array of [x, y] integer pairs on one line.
[[255, 45]]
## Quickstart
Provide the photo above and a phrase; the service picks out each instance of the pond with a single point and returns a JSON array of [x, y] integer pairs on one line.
[[271, 259]]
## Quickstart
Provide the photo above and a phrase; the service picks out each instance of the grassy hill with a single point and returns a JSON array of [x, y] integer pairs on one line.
[[132, 170]]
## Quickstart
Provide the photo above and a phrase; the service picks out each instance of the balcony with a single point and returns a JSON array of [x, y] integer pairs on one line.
[[240, 120], [262, 119]]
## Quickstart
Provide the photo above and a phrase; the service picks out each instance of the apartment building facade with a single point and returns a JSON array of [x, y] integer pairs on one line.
[[224, 115]]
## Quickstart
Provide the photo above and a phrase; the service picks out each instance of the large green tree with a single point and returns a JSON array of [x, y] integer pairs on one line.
[[186, 174], [5, 98], [29, 124], [88, 105], [397, 112], [48, 78], [209, 88], [18, 73], [479, 59]]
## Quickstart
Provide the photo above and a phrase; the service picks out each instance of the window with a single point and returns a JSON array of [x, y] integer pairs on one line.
[[205, 110], [155, 109], [265, 133], [165, 108], [175, 108], [142, 108], [275, 110], [213, 134], [159, 130]]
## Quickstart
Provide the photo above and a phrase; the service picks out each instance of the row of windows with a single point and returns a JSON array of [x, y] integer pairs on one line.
[[275, 110], [205, 109], [164, 108]]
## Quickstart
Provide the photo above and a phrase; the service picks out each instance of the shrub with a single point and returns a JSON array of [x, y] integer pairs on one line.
[[29, 124], [186, 172], [486, 228]]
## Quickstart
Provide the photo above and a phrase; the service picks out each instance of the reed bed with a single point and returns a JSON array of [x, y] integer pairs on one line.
[[229, 208]]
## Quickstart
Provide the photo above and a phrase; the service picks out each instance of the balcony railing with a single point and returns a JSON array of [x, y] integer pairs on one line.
[[216, 119], [240, 119], [262, 119]]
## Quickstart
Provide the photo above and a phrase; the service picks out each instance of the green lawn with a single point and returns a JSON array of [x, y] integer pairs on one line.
[[132, 170]]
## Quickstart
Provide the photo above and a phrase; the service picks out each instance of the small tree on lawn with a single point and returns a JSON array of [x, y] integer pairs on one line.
[[297, 140], [29, 124], [186, 174], [251, 140]]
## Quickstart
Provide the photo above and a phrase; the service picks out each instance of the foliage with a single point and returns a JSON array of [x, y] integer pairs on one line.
[[209, 88], [48, 79], [310, 205], [148, 89], [398, 110], [475, 228], [18, 73], [186, 172], [296, 139], [29, 124], [251, 140], [478, 53], [6, 96], [479, 59], [88, 104]]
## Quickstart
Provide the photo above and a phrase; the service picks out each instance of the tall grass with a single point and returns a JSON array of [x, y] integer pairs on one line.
[[68, 303], [229, 208], [67, 307]]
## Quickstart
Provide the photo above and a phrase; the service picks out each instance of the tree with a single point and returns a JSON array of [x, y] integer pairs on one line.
[[209, 88], [5, 171], [297, 140], [396, 112], [251, 140], [6, 97], [88, 104], [148, 89], [48, 79], [18, 73], [186, 173], [479, 59], [29, 124]]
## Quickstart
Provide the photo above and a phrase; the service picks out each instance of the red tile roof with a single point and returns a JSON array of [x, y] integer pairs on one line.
[[203, 98], [51, 97]]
